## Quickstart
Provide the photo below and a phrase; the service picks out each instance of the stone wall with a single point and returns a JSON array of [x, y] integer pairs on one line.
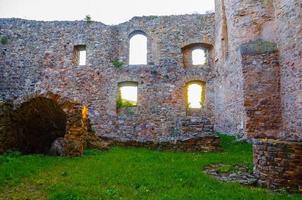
[[258, 83], [7, 133], [237, 22], [278, 164], [240, 22], [288, 17], [261, 85], [39, 58]]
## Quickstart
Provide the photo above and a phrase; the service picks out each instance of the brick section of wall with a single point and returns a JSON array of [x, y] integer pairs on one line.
[[261, 85], [278, 164]]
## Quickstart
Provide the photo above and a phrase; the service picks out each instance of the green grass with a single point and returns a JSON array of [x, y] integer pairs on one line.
[[127, 173]]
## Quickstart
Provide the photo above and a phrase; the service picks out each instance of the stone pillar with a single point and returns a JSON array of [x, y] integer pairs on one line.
[[76, 130], [7, 131], [278, 164]]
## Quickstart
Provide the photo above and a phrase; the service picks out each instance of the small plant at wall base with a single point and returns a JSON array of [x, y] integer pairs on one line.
[[88, 19], [3, 40], [117, 64]]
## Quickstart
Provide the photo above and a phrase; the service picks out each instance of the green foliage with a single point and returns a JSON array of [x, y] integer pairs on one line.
[[117, 64], [124, 104], [128, 173], [66, 195], [153, 17], [3, 40], [88, 19]]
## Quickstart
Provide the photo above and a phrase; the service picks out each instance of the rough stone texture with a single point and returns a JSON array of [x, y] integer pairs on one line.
[[95, 142], [228, 173], [253, 89], [241, 22], [257, 85], [19, 131], [288, 17], [261, 84], [201, 143], [7, 132], [76, 130], [278, 164], [39, 59], [57, 147]]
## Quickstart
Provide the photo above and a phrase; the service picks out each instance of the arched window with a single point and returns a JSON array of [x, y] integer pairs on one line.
[[127, 94], [138, 49], [198, 57], [195, 94], [197, 54]]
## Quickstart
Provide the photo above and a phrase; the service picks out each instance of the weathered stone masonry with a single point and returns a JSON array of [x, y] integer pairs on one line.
[[252, 80], [40, 58], [258, 83]]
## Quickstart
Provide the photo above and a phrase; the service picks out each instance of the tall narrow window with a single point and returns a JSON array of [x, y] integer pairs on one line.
[[80, 55], [127, 96], [195, 94], [198, 57], [138, 50], [82, 59]]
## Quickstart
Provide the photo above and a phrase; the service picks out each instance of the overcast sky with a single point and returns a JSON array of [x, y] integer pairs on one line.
[[106, 11]]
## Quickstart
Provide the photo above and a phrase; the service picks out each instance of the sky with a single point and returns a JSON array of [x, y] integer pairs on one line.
[[106, 11]]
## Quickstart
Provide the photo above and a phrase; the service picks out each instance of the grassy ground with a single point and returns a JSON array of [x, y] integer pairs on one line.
[[127, 173]]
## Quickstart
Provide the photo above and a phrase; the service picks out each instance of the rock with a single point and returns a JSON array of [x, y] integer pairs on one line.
[[237, 173], [57, 147], [94, 142]]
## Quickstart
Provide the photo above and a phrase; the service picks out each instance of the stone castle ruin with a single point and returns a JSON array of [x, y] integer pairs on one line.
[[63, 79]]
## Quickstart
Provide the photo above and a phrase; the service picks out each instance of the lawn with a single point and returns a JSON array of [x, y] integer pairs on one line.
[[127, 173]]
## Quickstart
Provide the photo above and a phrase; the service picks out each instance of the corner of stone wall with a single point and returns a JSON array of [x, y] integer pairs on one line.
[[76, 130], [278, 164]]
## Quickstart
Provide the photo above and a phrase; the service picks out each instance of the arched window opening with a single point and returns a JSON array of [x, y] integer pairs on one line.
[[195, 95], [127, 96], [198, 57], [138, 50]]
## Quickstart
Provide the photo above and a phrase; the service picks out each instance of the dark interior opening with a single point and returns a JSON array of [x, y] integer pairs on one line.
[[39, 122]]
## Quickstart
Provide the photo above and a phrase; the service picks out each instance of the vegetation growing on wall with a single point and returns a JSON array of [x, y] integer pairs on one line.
[[88, 19], [3, 40], [117, 64]]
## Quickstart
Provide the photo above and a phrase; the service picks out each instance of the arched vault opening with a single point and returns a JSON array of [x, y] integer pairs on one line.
[[39, 122]]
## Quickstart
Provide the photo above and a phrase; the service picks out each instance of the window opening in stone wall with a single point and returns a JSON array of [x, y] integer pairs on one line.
[[198, 57], [195, 95], [80, 55], [138, 50], [127, 96]]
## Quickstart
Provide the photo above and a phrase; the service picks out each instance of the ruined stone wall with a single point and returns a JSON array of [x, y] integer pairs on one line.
[[278, 164], [39, 58], [289, 30], [237, 22], [240, 22], [258, 84]]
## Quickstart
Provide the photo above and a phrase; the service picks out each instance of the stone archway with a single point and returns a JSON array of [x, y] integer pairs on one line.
[[39, 120]]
